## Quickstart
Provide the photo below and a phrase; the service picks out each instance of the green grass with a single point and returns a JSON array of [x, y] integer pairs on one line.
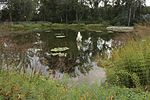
[[33, 26], [14, 86], [130, 65]]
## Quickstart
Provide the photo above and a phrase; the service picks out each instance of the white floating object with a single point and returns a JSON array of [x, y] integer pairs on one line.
[[60, 49], [60, 36], [59, 54]]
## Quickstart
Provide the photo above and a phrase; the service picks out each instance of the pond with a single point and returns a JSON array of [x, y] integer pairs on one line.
[[55, 52]]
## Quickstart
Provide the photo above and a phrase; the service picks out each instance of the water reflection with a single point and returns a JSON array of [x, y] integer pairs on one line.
[[54, 53], [100, 43]]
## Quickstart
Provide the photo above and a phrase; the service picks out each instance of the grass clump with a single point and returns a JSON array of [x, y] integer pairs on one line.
[[130, 65]]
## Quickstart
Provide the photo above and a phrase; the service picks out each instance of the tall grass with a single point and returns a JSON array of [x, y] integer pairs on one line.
[[14, 86], [131, 65]]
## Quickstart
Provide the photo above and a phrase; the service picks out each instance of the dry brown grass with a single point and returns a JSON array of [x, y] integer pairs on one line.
[[5, 28], [143, 30]]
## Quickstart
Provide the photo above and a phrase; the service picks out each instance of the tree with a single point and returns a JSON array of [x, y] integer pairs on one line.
[[20, 10], [117, 12]]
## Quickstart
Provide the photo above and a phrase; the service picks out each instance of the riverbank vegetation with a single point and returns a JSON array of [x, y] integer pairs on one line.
[[47, 26], [17, 86], [129, 65]]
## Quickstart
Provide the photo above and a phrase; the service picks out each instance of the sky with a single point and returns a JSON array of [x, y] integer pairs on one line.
[[148, 2]]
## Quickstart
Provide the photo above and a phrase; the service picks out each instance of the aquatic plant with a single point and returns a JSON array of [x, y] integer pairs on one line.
[[60, 49], [59, 36]]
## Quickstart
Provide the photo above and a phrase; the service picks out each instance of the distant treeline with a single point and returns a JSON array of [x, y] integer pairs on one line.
[[115, 12]]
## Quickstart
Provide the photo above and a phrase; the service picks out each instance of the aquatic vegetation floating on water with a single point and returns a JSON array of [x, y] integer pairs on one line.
[[48, 31], [59, 54], [60, 49], [61, 36]]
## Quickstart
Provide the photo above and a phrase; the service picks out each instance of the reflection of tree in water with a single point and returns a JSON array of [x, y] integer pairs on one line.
[[105, 47], [85, 47], [31, 53]]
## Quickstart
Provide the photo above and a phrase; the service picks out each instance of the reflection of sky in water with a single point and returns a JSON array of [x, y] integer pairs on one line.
[[39, 59]]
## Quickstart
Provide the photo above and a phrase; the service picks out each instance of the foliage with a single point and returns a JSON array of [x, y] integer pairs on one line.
[[16, 86], [131, 65], [116, 12], [18, 10]]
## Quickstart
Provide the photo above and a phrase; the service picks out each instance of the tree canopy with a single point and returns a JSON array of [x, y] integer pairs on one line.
[[116, 12]]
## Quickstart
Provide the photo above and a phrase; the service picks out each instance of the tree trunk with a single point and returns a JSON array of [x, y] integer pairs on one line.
[[10, 17], [61, 19], [66, 18], [77, 19], [129, 19]]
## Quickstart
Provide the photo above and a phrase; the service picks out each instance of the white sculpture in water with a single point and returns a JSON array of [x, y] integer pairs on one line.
[[79, 37], [79, 41]]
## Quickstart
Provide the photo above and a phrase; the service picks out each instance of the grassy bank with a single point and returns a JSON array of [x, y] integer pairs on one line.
[[14, 86], [32, 26], [130, 65]]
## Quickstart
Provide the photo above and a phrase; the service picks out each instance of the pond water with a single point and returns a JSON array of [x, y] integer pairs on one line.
[[55, 52]]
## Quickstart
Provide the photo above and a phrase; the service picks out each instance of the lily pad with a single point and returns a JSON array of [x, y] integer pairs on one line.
[[60, 49], [48, 31], [99, 31], [61, 36], [59, 54], [56, 34]]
